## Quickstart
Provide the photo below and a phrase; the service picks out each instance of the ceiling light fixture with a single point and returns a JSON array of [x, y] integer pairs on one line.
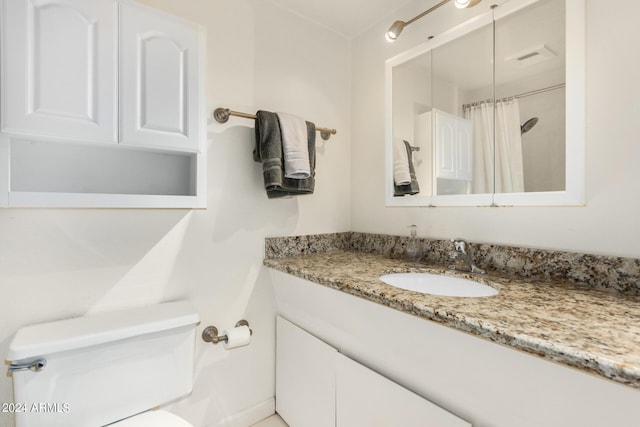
[[396, 28], [463, 4]]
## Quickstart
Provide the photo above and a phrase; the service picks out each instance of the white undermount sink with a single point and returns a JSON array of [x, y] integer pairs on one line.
[[436, 284]]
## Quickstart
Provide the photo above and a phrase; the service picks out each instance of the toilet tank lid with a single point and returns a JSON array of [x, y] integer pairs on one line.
[[80, 332]]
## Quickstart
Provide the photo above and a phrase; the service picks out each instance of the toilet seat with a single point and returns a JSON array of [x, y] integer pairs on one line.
[[157, 418]]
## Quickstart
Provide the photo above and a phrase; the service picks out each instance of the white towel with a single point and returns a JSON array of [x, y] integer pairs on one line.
[[401, 174], [295, 148]]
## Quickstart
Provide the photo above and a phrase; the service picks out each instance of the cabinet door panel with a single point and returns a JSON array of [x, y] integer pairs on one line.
[[160, 80], [365, 398], [59, 68], [161, 53], [453, 146], [446, 145]]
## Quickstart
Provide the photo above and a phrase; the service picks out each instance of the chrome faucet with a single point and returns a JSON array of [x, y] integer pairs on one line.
[[462, 258]]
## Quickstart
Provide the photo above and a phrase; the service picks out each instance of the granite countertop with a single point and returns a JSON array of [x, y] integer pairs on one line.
[[591, 329]]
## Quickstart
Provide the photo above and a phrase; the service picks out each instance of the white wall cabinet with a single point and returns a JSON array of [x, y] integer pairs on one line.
[[83, 79], [316, 386], [59, 76]]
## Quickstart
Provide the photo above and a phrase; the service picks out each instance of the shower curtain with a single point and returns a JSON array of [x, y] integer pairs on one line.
[[481, 117], [509, 175]]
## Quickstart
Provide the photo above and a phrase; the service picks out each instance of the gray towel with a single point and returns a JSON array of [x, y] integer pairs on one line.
[[268, 150], [413, 187]]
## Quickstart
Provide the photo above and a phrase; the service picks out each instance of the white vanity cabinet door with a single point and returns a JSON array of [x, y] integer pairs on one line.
[[59, 62], [365, 398], [161, 79], [305, 378]]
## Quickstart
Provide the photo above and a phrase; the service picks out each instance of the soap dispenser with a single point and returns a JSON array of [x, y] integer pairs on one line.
[[413, 251]]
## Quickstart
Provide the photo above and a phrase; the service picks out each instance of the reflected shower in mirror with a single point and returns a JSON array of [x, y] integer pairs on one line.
[[530, 74]]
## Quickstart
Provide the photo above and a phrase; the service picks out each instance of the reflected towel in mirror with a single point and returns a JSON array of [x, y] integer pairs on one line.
[[404, 174]]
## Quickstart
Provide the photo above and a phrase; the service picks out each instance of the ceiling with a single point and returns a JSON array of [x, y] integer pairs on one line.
[[347, 17]]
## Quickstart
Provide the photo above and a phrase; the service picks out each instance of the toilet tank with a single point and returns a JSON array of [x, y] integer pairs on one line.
[[102, 368]]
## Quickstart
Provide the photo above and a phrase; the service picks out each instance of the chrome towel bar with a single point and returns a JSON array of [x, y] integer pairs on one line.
[[222, 116]]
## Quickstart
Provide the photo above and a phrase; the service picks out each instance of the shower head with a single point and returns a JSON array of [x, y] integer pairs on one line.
[[528, 125]]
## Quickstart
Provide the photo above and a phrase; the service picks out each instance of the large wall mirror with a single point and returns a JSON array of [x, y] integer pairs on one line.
[[491, 113]]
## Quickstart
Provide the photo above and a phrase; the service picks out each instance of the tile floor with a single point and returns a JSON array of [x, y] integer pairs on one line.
[[272, 421]]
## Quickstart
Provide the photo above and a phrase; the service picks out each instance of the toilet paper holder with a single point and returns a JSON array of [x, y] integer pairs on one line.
[[210, 333]]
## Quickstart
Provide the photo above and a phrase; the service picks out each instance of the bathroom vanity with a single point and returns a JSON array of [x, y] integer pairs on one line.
[[550, 353]]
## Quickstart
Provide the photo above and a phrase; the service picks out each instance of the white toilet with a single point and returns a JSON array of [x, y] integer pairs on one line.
[[112, 368]]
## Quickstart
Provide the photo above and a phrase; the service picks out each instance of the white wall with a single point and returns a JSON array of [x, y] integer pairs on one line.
[[608, 224], [67, 262]]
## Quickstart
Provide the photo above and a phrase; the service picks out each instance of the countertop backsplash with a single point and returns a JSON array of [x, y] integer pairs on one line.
[[603, 272]]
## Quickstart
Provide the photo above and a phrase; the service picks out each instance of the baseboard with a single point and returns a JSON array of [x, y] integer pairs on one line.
[[250, 416]]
